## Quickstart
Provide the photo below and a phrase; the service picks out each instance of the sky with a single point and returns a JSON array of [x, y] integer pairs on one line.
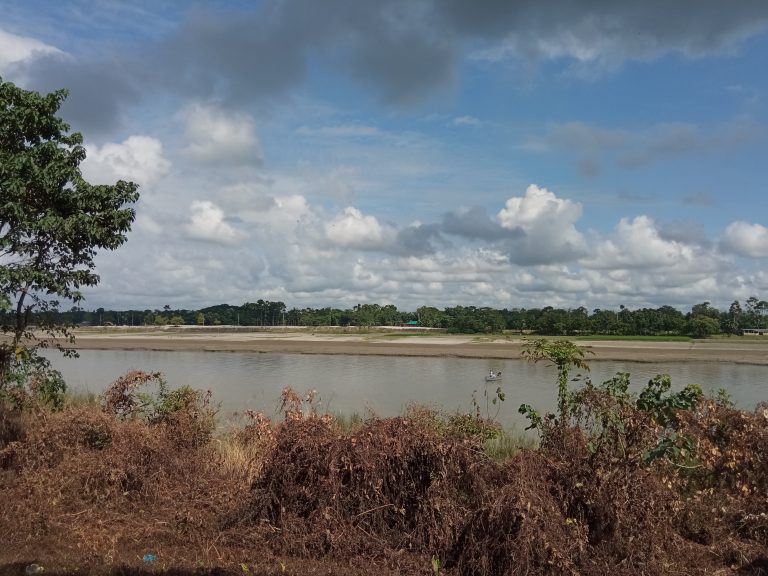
[[417, 152]]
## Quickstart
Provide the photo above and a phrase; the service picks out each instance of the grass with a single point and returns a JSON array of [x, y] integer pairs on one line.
[[74, 398], [508, 444], [239, 458], [348, 422], [620, 338], [411, 333]]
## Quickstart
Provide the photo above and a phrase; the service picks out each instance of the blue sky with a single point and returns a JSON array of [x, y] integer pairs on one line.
[[417, 152]]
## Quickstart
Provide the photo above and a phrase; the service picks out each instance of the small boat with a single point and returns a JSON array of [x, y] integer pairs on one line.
[[493, 376]]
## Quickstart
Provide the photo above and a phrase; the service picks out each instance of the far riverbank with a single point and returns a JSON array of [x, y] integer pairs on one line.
[[740, 350]]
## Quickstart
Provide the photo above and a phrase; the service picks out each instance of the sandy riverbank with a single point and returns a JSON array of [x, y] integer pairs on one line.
[[736, 350]]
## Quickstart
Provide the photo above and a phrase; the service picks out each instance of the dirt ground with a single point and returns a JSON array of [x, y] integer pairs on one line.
[[736, 350]]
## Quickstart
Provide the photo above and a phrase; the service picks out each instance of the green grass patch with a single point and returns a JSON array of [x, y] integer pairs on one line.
[[413, 333], [619, 338], [507, 444], [348, 422]]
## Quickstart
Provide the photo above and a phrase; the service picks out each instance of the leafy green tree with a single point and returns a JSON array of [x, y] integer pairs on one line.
[[52, 222], [703, 326], [705, 309], [430, 316], [733, 318]]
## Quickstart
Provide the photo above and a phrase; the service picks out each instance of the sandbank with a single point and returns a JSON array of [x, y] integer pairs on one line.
[[740, 350]]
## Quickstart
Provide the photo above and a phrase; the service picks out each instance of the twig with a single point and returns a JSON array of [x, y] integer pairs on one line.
[[373, 509]]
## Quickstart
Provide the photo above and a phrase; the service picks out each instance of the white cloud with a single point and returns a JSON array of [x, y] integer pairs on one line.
[[214, 135], [138, 159], [746, 239], [207, 223], [547, 224], [351, 229], [15, 49], [637, 243]]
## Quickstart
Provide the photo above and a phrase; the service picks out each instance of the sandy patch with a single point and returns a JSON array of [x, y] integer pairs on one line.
[[738, 350]]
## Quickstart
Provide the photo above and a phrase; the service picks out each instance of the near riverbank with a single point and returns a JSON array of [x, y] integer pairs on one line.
[[741, 350]]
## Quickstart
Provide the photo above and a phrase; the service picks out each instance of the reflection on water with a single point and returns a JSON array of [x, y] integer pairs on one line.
[[385, 385]]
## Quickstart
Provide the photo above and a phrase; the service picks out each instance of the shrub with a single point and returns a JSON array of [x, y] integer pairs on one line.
[[186, 411]]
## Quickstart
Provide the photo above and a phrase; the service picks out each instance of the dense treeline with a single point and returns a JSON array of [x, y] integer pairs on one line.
[[702, 320]]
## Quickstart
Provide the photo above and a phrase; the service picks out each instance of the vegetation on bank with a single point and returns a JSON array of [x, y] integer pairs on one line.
[[659, 482], [701, 321]]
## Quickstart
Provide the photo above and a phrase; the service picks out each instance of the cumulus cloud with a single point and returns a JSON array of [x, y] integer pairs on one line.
[[213, 135], [137, 158], [746, 239], [353, 229], [418, 238], [547, 224], [639, 244], [295, 253], [475, 223], [207, 223]]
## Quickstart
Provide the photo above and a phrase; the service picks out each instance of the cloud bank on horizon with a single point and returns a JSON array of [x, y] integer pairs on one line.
[[472, 152]]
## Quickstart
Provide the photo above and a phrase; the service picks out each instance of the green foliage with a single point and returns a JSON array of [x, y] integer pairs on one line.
[[676, 447], [469, 425], [31, 378], [703, 326], [611, 416], [662, 407], [565, 355], [52, 222], [535, 419], [147, 396]]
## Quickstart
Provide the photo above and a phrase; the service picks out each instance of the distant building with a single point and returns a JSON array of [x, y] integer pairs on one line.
[[754, 331]]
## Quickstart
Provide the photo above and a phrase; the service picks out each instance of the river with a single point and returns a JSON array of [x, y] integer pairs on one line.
[[385, 385]]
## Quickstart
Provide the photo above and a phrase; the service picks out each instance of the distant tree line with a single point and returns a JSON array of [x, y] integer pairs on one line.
[[702, 320]]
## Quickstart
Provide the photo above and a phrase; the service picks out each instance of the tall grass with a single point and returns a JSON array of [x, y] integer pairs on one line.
[[508, 443], [348, 422], [75, 398]]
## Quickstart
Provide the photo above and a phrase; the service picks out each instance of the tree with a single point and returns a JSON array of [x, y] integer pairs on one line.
[[52, 222], [565, 355], [703, 326], [733, 319]]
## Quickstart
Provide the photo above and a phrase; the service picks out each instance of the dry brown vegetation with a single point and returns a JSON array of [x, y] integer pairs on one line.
[[95, 489]]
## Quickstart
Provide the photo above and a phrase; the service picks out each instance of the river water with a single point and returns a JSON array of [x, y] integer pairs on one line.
[[385, 385]]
